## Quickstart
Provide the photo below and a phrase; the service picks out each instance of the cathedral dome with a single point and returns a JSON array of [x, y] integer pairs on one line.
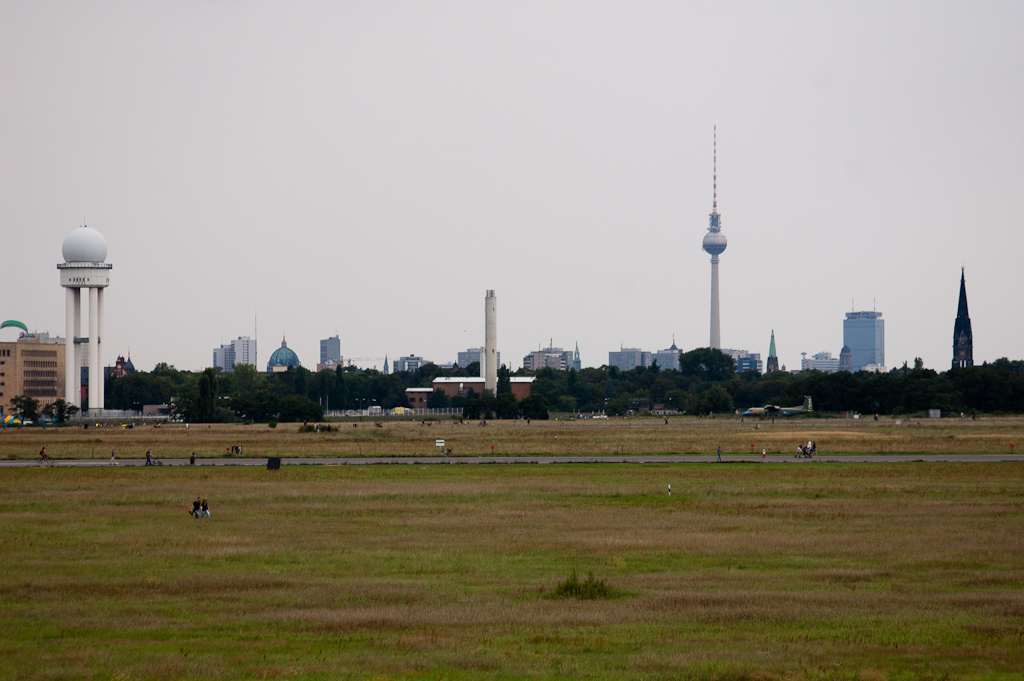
[[84, 244], [715, 243], [283, 358]]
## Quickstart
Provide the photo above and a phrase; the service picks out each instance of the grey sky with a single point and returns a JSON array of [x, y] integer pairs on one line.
[[370, 169]]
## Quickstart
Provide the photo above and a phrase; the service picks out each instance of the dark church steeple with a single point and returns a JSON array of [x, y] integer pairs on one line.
[[963, 339]]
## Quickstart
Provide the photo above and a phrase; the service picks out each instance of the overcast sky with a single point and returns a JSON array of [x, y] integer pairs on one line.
[[369, 169]]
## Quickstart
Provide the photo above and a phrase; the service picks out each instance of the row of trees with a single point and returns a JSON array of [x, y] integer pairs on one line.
[[705, 381]]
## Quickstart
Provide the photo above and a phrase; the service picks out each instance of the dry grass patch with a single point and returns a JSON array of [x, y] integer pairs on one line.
[[346, 572]]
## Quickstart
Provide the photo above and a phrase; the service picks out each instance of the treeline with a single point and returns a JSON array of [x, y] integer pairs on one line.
[[294, 395], [705, 381]]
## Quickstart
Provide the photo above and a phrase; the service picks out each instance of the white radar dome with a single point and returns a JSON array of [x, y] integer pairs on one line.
[[84, 244]]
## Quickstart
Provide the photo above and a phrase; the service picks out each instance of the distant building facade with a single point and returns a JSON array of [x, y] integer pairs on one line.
[[330, 350], [846, 359], [555, 358], [242, 350], [408, 364], [462, 386], [122, 367], [32, 366], [822, 361], [467, 357], [963, 338], [576, 364], [627, 359], [745, 361], [668, 358], [864, 334]]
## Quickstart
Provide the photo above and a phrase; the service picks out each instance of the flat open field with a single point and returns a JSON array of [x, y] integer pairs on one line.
[[595, 437], [747, 571]]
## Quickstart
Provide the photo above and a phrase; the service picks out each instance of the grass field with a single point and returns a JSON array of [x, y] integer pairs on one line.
[[753, 571], [612, 436]]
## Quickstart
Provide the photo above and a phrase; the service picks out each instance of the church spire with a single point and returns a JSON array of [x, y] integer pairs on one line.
[[963, 338], [773, 359]]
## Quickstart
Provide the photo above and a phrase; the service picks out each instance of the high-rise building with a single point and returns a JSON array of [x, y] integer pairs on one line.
[[330, 350], [668, 358], [245, 350], [224, 358], [864, 333], [822, 361], [773, 358], [409, 363], [242, 350], [627, 359], [745, 361], [32, 366], [715, 243], [963, 338], [470, 355], [553, 357]]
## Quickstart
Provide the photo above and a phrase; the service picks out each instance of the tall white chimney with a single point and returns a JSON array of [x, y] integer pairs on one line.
[[490, 367]]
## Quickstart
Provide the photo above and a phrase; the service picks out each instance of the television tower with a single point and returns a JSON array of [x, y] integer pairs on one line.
[[715, 243]]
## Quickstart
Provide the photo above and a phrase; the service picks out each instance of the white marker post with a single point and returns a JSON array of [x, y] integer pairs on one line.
[[440, 445]]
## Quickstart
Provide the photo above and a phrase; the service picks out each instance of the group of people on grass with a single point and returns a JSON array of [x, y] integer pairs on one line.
[[200, 509]]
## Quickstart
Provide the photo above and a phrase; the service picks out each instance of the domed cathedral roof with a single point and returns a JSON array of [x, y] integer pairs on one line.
[[282, 358]]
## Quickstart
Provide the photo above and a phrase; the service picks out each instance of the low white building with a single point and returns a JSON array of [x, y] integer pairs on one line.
[[822, 361]]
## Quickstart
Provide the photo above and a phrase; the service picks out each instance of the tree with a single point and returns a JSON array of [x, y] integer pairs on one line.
[[302, 381], [438, 400], [60, 410], [26, 407], [245, 378], [299, 408], [506, 406], [707, 364], [504, 380], [207, 401], [714, 399], [535, 407]]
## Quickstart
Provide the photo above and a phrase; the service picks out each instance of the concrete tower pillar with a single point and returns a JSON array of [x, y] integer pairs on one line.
[[76, 333], [94, 351], [70, 302], [490, 368], [716, 330], [102, 403]]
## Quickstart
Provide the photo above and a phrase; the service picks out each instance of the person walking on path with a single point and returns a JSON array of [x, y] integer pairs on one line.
[[192, 459], [762, 455], [719, 453], [149, 457], [113, 459]]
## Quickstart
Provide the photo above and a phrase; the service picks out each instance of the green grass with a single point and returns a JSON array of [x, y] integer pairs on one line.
[[756, 572]]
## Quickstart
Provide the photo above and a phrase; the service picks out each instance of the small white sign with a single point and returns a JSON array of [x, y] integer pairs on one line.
[[439, 443]]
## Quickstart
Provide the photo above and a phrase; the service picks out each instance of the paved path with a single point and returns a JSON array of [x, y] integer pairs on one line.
[[507, 460]]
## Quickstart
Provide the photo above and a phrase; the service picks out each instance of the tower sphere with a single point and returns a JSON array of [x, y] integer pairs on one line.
[[84, 244], [715, 243]]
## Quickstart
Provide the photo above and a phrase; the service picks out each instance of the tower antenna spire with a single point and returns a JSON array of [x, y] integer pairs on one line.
[[714, 176]]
